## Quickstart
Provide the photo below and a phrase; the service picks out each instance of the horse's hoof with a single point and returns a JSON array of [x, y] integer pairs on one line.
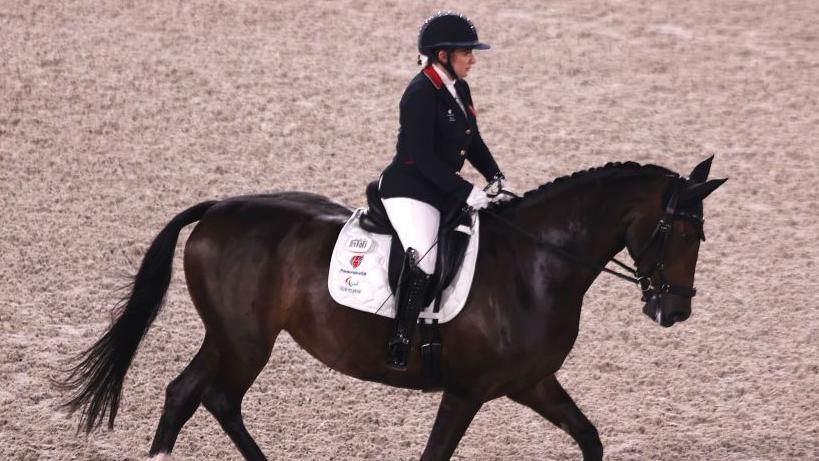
[[161, 457]]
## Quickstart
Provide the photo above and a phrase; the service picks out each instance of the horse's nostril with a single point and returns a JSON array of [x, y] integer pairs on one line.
[[679, 316]]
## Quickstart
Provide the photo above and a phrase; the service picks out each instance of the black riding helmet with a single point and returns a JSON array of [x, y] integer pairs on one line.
[[448, 30]]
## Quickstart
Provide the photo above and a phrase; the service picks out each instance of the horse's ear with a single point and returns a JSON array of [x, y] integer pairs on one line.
[[697, 191], [700, 172]]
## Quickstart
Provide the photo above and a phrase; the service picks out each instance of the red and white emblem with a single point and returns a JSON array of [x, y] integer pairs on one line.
[[355, 261]]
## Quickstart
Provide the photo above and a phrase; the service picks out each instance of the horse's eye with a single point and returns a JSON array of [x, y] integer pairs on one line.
[[691, 236]]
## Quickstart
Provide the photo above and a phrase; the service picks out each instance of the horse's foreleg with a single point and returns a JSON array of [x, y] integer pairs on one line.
[[553, 403], [454, 416]]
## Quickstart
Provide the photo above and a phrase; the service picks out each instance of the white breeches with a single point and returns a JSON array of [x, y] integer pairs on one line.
[[416, 224]]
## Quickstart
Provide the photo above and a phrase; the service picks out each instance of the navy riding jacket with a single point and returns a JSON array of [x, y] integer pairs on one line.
[[434, 140]]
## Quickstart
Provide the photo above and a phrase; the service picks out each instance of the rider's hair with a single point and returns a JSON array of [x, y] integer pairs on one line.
[[432, 56]]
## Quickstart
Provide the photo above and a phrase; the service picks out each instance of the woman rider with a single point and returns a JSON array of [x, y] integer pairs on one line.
[[438, 132]]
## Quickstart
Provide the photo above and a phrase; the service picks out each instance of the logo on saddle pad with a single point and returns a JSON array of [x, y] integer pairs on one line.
[[355, 261], [359, 245]]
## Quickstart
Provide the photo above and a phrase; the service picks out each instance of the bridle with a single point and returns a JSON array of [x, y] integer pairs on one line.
[[660, 234]]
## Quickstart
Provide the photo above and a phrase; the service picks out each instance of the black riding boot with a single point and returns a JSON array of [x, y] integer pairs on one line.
[[410, 294]]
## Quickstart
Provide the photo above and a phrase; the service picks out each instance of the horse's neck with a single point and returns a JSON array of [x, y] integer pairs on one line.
[[589, 222]]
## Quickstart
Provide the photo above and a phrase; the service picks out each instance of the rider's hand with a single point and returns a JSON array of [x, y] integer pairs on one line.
[[477, 199], [498, 189]]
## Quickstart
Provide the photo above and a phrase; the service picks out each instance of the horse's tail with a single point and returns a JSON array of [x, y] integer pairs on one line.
[[97, 379]]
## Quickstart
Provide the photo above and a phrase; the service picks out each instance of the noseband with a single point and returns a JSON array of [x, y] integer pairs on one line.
[[645, 280], [660, 234]]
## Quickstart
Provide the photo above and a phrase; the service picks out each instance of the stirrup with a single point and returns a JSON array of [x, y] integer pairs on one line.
[[398, 340], [398, 353]]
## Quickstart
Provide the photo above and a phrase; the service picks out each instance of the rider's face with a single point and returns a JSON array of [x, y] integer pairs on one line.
[[462, 61]]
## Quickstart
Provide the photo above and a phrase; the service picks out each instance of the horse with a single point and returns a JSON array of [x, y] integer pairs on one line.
[[538, 255]]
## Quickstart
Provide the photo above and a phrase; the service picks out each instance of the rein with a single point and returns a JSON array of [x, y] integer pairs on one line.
[[566, 254], [644, 281]]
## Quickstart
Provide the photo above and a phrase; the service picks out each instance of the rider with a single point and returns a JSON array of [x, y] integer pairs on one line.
[[438, 132]]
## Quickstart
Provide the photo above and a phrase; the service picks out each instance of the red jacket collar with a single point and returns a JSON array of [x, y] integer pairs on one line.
[[433, 77]]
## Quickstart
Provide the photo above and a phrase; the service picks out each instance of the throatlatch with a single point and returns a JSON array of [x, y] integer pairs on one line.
[[410, 294]]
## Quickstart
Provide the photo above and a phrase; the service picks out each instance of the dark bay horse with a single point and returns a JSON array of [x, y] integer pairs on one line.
[[258, 265]]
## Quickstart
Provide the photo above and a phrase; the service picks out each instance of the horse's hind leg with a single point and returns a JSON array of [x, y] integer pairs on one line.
[[182, 398], [553, 403], [226, 406], [454, 416], [223, 396]]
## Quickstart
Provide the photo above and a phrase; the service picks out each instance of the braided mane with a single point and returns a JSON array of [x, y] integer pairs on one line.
[[608, 171]]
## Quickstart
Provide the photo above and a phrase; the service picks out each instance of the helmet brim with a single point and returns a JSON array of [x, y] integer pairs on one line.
[[469, 45]]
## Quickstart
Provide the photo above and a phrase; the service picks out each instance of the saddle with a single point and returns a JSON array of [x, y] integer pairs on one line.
[[453, 240]]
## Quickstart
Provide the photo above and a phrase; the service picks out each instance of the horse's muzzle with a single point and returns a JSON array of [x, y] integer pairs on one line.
[[667, 309]]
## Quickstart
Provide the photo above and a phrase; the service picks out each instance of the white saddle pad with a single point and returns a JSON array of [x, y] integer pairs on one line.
[[358, 273]]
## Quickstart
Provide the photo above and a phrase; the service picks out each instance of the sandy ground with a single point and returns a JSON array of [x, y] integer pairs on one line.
[[116, 115]]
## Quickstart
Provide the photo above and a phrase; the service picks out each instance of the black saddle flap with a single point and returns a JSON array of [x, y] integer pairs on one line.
[[375, 219]]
